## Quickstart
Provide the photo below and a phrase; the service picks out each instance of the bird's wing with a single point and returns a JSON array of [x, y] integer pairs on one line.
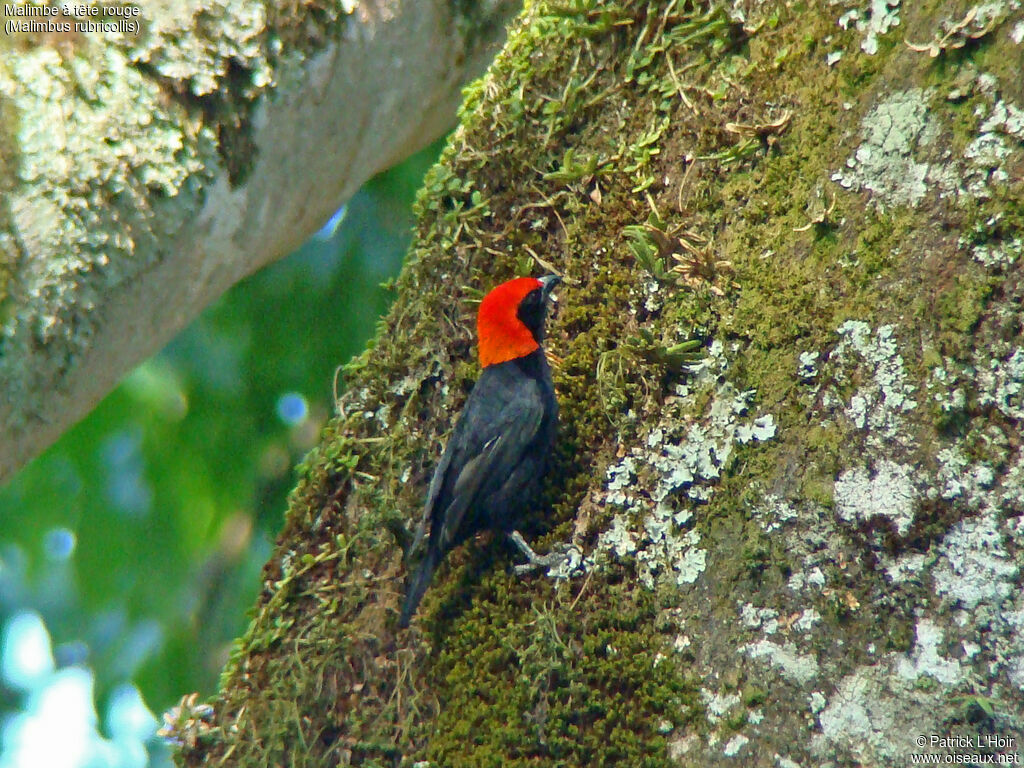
[[484, 445]]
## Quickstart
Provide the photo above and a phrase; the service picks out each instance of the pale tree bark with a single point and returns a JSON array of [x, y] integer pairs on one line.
[[802, 544], [144, 171]]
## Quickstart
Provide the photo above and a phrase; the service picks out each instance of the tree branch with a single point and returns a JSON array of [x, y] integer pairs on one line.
[[145, 174]]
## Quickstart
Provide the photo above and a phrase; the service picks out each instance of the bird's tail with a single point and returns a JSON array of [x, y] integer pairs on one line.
[[417, 586]]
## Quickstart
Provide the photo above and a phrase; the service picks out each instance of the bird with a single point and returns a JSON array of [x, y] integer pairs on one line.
[[495, 460]]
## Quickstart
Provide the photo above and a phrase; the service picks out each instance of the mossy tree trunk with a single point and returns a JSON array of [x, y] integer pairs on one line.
[[146, 169], [803, 547]]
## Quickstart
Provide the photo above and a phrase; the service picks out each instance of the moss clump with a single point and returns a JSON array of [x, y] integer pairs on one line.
[[540, 685]]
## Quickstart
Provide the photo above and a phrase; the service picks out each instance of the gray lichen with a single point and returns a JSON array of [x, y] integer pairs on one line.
[[81, 206], [655, 525], [879, 405], [887, 492], [900, 163], [873, 21], [886, 160], [231, 32]]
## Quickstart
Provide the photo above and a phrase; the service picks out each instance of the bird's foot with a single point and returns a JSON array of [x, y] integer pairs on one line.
[[560, 563], [403, 537]]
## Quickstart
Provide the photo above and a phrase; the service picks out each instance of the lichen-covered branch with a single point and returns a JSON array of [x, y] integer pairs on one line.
[[143, 174], [802, 546]]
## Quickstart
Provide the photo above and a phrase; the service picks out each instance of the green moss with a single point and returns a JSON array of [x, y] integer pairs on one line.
[[900, 637], [754, 696], [962, 303], [534, 685], [818, 489]]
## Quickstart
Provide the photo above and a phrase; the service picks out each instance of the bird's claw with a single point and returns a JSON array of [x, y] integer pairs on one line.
[[560, 563], [403, 537]]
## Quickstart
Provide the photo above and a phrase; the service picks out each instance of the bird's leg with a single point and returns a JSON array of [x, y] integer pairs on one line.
[[550, 561], [396, 525]]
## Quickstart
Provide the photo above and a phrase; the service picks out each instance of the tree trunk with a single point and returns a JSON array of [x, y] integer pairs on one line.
[[802, 546], [143, 173]]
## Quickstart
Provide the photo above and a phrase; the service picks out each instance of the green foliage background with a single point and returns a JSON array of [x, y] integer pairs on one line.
[[173, 488]]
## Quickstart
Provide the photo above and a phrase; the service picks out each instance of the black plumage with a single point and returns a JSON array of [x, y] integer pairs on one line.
[[493, 466]]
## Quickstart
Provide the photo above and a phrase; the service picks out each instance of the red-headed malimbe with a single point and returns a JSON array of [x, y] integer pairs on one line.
[[495, 460]]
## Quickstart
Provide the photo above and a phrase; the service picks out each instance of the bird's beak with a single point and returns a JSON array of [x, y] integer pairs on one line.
[[548, 283]]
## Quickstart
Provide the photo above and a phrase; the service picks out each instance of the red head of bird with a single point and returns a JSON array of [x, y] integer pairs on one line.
[[510, 323]]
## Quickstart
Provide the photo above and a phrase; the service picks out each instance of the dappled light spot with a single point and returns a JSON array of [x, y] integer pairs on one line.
[[292, 408], [26, 651], [59, 543]]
